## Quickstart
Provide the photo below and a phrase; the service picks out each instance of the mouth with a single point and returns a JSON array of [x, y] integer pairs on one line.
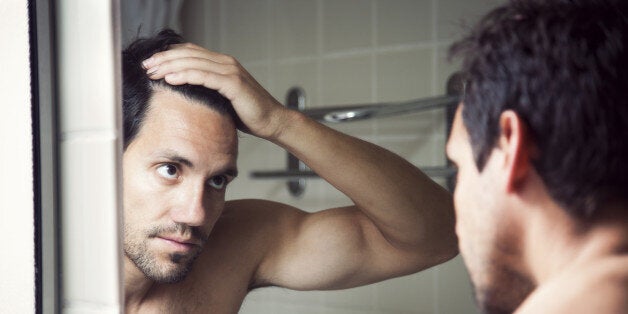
[[178, 244]]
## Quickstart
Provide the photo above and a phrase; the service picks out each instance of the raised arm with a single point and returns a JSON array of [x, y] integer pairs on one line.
[[401, 221]]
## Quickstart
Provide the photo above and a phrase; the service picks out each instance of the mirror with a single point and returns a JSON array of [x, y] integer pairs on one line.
[[339, 53]]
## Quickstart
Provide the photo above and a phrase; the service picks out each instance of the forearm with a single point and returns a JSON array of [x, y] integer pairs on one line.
[[408, 208]]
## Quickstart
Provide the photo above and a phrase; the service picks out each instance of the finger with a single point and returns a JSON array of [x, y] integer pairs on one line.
[[219, 82], [180, 64], [186, 50]]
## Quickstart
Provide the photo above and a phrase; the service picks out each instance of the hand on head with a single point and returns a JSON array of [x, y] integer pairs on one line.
[[261, 114]]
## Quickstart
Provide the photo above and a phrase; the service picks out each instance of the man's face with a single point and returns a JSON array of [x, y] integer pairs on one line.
[[487, 231], [175, 174]]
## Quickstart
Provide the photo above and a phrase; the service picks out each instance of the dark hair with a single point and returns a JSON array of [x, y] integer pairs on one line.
[[562, 66], [138, 87]]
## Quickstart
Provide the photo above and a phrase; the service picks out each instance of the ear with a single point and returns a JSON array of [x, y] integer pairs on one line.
[[518, 149]]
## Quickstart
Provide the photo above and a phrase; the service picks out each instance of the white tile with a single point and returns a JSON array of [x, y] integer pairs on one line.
[[346, 81], [86, 67], [404, 21], [300, 309], [303, 75], [414, 293], [341, 310], [410, 125], [346, 24], [455, 17], [254, 306], [294, 28], [297, 298], [405, 75], [89, 219], [200, 23], [454, 288], [360, 298], [247, 29]]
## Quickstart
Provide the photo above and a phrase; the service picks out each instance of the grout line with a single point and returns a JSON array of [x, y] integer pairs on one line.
[[270, 60], [222, 25], [373, 51], [354, 52], [319, 52], [374, 63], [435, 56]]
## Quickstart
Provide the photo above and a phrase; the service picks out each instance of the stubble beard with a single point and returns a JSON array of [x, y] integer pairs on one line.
[[174, 270], [505, 293]]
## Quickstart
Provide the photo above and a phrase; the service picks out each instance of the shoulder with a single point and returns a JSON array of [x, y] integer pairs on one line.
[[247, 213], [253, 226], [601, 287]]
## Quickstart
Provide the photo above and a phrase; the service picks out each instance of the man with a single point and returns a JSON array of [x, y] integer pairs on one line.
[[540, 144], [187, 250]]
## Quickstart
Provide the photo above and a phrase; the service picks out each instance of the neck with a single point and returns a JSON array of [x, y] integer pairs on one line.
[[558, 242], [136, 285]]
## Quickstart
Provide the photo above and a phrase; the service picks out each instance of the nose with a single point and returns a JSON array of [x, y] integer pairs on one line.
[[192, 208]]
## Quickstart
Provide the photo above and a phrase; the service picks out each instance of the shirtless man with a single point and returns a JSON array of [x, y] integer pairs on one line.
[[189, 251], [540, 144]]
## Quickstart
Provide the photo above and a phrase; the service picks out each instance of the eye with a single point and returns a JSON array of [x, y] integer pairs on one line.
[[168, 171], [217, 182]]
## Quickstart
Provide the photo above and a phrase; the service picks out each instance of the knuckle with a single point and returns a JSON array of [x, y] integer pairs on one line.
[[236, 80], [158, 56], [230, 60], [232, 69]]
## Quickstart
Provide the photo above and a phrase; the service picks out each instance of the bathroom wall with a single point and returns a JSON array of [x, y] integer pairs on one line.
[[17, 287], [90, 155], [345, 52]]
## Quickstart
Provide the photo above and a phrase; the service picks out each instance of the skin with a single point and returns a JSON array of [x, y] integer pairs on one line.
[[401, 221], [524, 253]]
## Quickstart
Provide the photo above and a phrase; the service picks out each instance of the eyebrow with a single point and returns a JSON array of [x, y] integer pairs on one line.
[[175, 157]]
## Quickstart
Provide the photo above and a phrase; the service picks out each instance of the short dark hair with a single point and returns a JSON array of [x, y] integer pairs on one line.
[[138, 87], [562, 66]]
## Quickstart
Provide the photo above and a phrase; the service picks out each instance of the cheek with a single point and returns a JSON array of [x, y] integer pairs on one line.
[[142, 198], [468, 208]]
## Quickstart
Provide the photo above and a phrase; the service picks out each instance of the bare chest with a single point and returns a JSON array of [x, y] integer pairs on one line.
[[216, 284], [220, 294]]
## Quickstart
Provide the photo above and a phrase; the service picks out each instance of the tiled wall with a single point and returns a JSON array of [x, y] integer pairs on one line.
[[345, 52], [89, 147]]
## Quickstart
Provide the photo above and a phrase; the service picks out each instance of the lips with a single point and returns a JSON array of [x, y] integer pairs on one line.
[[179, 244]]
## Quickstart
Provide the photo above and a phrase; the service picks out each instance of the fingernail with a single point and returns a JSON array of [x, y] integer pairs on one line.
[[148, 62]]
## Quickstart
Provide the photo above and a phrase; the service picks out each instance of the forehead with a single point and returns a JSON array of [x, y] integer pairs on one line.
[[174, 122]]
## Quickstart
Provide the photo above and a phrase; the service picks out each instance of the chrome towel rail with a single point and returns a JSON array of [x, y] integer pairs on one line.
[[297, 172]]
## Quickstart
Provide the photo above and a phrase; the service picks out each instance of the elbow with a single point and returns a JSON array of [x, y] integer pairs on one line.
[[449, 250]]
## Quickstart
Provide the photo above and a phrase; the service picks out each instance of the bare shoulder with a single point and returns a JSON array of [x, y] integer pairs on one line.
[[250, 226], [257, 216], [599, 287]]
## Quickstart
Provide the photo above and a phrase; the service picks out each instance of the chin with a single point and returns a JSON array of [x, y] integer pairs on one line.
[[501, 291], [173, 270], [163, 268]]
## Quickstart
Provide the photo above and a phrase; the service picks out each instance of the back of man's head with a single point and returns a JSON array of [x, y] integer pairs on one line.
[[138, 88], [562, 66]]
